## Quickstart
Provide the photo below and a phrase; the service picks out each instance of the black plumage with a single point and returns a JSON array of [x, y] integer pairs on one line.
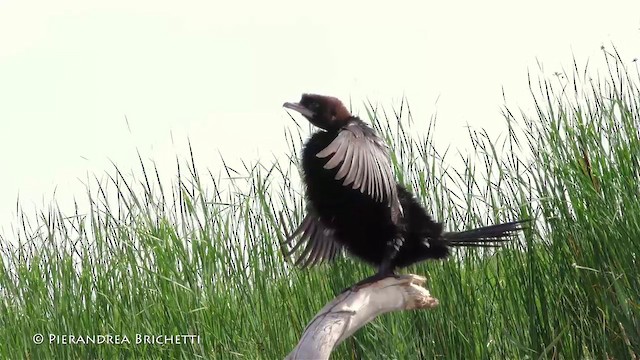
[[355, 204]]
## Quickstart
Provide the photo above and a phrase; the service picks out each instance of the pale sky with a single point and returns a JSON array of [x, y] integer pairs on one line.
[[217, 72]]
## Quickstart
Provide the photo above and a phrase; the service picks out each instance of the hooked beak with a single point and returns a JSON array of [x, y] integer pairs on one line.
[[299, 108]]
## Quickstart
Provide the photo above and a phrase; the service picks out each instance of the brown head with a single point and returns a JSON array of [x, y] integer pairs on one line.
[[325, 112]]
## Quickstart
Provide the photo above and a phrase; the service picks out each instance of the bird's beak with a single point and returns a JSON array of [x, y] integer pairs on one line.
[[299, 108]]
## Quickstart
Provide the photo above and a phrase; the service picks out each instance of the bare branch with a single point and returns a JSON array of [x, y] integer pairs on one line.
[[352, 309]]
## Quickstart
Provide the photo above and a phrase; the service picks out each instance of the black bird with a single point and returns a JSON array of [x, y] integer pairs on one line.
[[355, 204]]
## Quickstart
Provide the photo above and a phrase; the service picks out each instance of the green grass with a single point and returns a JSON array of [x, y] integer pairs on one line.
[[201, 255]]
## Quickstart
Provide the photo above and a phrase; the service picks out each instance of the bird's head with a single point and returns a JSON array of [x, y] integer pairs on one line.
[[325, 112]]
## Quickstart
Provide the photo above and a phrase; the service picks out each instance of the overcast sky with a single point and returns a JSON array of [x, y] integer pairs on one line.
[[217, 72]]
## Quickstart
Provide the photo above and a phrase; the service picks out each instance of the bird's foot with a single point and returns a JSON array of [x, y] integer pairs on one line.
[[370, 280]]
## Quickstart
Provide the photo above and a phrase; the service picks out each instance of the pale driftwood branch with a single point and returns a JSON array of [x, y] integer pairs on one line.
[[351, 310]]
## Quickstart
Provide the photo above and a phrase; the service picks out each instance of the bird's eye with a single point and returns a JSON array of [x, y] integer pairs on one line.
[[314, 106]]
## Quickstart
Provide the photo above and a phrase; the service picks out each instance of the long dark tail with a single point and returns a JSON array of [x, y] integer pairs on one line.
[[487, 236]]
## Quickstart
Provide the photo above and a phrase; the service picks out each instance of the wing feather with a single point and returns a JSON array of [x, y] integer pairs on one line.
[[346, 164], [365, 164], [320, 244]]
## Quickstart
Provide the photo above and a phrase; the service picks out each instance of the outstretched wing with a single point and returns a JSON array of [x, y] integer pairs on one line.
[[365, 164], [319, 239]]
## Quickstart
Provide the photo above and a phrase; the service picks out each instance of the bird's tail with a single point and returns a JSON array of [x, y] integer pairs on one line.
[[487, 236]]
